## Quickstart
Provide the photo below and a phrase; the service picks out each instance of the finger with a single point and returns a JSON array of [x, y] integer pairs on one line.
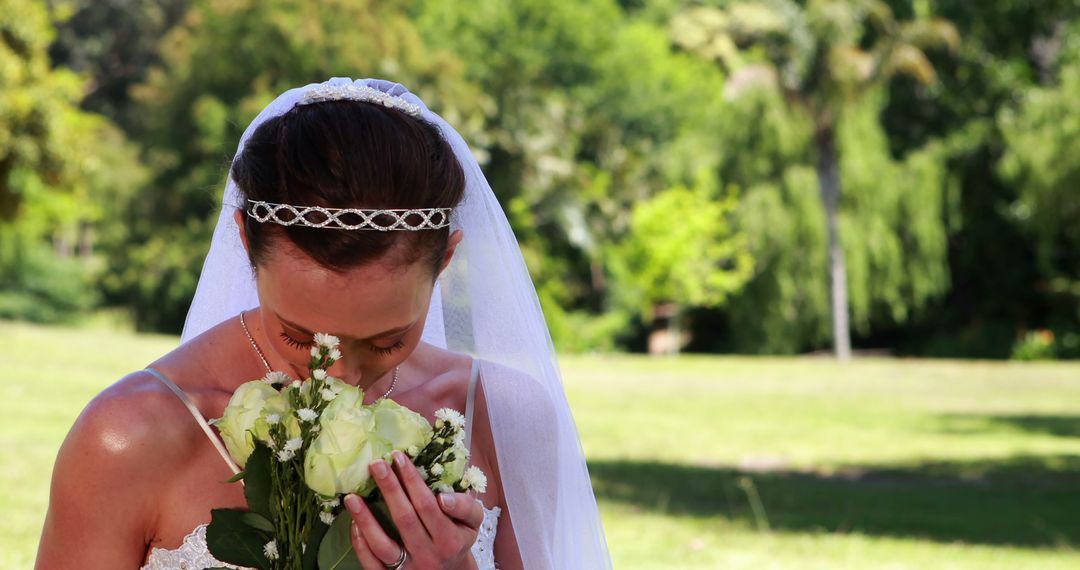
[[421, 497], [463, 507], [363, 550], [368, 528], [412, 530]]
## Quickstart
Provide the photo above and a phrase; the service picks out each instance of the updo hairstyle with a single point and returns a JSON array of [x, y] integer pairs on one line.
[[348, 154]]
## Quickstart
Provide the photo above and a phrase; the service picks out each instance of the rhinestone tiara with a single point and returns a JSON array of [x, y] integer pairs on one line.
[[353, 92], [412, 220]]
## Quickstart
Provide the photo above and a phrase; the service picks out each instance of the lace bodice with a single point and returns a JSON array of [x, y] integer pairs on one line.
[[193, 554]]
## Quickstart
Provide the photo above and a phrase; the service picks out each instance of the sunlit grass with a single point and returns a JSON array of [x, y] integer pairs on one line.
[[874, 464]]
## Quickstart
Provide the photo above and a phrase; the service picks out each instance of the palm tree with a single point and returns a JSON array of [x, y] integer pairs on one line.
[[822, 55]]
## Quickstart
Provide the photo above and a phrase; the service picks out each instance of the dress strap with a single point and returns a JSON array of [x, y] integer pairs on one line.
[[470, 401], [198, 418]]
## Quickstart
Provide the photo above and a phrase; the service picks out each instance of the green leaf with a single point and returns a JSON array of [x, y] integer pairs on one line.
[[231, 540], [236, 477], [336, 551], [310, 560], [257, 482], [255, 520]]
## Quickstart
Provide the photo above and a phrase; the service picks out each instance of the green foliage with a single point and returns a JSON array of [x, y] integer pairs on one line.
[[36, 285], [957, 217], [829, 59], [1035, 345], [681, 248], [1043, 162], [894, 222], [43, 134], [115, 42], [590, 112], [785, 306], [60, 170]]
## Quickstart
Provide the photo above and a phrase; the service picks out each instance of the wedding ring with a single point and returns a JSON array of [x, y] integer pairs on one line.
[[400, 561]]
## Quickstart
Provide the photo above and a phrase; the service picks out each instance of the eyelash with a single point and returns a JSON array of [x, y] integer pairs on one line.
[[388, 350], [295, 343], [298, 345]]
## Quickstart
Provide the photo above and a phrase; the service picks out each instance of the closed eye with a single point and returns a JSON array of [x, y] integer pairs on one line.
[[387, 350], [298, 345]]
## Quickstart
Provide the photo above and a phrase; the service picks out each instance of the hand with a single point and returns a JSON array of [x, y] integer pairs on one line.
[[437, 533]]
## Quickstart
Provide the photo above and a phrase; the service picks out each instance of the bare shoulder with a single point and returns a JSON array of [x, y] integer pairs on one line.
[[444, 376], [129, 420], [122, 449]]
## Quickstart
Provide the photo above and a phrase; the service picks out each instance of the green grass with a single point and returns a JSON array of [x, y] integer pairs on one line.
[[880, 463]]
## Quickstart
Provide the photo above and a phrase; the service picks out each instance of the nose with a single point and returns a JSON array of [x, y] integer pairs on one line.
[[350, 374]]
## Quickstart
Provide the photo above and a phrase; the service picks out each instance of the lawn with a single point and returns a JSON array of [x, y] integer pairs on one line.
[[703, 462]]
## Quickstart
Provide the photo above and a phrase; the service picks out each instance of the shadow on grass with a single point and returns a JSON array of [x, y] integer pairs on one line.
[[1060, 426], [1030, 501]]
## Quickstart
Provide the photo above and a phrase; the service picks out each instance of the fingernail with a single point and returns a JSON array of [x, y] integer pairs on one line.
[[352, 502], [447, 500], [379, 468], [400, 459]]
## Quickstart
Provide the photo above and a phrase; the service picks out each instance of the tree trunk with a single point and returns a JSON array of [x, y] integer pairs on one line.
[[829, 186]]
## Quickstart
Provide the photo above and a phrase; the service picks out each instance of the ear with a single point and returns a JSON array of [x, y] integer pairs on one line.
[[451, 247], [238, 216]]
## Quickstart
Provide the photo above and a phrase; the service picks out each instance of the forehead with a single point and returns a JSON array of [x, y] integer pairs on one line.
[[358, 303]]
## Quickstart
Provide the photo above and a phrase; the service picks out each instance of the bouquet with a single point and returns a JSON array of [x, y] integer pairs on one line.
[[303, 445]]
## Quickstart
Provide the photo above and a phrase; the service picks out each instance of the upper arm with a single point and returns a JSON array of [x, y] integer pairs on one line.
[[534, 419], [99, 504]]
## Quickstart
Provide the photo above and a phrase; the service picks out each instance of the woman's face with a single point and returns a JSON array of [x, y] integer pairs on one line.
[[377, 311]]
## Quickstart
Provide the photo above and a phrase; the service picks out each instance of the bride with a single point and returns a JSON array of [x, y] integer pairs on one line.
[[350, 209]]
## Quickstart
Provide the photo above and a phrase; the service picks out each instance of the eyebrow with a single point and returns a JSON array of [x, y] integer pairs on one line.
[[383, 334]]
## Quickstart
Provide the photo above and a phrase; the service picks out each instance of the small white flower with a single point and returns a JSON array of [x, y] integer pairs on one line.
[[276, 377], [316, 352], [326, 517], [307, 414], [327, 341], [423, 472], [459, 439], [474, 479], [443, 488], [318, 374], [330, 504], [295, 384], [437, 469], [335, 354], [294, 444], [270, 550], [328, 394], [273, 419], [451, 416], [285, 455]]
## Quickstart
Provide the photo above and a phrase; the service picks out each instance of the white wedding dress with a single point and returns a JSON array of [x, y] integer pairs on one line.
[[193, 553]]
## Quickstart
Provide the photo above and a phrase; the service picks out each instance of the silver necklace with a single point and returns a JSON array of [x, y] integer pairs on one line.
[[247, 333], [252, 341]]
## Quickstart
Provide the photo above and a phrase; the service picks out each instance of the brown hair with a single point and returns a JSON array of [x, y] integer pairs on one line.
[[349, 154]]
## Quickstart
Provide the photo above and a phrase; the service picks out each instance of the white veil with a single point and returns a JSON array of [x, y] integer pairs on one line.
[[485, 305]]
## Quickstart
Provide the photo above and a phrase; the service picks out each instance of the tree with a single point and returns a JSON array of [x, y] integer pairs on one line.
[[824, 57], [1043, 161], [590, 113], [54, 164], [680, 251]]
